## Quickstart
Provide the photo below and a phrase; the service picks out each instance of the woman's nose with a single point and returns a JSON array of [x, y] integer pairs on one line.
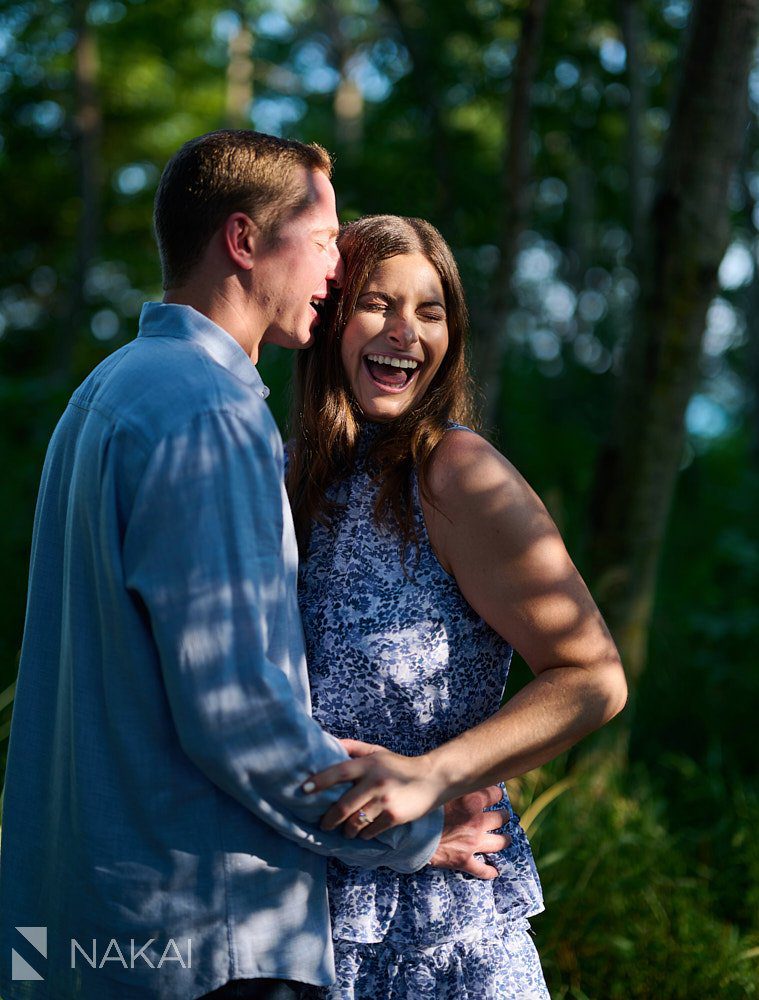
[[403, 332]]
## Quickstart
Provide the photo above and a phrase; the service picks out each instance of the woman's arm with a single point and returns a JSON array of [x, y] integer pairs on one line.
[[493, 534], [490, 530]]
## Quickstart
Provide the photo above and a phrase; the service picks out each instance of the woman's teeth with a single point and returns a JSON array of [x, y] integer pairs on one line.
[[384, 359]]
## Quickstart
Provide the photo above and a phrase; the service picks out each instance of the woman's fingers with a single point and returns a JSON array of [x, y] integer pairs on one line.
[[357, 748], [401, 789], [362, 821], [347, 770], [353, 800], [381, 823]]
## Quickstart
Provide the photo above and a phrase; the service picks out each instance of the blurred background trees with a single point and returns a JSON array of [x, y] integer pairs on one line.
[[595, 167]]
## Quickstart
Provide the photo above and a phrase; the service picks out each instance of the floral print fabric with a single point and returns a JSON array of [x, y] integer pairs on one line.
[[397, 657]]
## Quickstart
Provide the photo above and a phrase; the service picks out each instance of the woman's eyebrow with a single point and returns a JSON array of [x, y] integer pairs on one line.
[[377, 293]]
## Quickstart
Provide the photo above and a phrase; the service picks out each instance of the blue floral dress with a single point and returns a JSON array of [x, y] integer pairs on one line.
[[402, 660]]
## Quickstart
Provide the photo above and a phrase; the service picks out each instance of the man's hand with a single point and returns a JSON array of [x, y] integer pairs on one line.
[[390, 789], [467, 830]]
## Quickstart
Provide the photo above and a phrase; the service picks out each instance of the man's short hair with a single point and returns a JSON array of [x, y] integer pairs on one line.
[[224, 172]]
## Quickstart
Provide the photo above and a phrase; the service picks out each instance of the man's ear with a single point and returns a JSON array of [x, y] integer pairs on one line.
[[242, 239]]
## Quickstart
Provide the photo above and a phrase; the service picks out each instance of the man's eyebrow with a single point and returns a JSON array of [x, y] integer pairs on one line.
[[329, 230]]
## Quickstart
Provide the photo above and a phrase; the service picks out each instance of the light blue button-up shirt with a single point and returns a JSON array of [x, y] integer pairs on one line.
[[154, 825]]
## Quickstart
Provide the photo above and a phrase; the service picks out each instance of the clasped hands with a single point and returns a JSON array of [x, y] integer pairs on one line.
[[390, 789]]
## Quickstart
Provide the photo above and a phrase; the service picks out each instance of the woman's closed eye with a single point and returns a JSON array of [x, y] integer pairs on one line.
[[373, 305], [433, 315]]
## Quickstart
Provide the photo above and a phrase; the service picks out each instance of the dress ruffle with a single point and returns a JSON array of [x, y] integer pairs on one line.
[[501, 964], [434, 905]]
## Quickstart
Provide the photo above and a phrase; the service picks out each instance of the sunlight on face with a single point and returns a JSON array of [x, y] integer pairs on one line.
[[397, 337]]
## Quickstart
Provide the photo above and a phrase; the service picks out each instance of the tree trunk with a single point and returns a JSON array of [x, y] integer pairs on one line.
[[87, 133], [516, 206], [752, 364], [240, 78], [749, 302], [582, 224], [632, 33], [688, 234], [415, 37], [349, 115], [348, 102]]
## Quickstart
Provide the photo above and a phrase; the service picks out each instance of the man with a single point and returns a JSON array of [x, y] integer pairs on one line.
[[157, 842]]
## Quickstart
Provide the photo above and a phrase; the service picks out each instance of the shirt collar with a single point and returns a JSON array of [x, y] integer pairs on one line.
[[168, 319]]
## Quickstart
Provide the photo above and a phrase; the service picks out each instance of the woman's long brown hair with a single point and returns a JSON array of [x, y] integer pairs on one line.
[[326, 419]]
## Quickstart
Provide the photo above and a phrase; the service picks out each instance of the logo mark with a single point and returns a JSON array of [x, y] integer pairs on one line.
[[20, 968]]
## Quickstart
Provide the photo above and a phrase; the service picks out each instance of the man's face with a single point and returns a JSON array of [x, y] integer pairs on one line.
[[298, 269]]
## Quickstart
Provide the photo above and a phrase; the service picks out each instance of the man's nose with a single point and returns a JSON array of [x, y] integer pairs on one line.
[[337, 272]]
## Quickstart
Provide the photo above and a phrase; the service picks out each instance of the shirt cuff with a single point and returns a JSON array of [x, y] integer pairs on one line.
[[418, 844]]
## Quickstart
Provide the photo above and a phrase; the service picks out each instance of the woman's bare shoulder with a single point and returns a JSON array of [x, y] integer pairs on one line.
[[466, 469]]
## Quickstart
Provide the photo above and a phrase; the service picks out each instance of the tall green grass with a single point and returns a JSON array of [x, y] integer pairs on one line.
[[646, 896]]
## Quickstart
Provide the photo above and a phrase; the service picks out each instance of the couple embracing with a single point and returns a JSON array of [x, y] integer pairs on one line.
[[229, 777]]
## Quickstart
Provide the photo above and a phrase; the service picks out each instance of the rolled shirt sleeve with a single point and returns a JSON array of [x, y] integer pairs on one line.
[[203, 554]]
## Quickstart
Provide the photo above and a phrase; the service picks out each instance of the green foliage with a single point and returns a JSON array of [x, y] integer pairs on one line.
[[28, 412], [630, 907], [651, 875], [702, 686]]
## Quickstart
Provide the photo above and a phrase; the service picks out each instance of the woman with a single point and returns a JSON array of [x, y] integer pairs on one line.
[[426, 556]]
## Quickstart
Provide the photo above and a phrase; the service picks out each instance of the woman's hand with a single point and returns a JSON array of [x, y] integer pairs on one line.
[[388, 790]]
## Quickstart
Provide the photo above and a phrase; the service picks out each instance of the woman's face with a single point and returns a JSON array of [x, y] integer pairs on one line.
[[397, 337]]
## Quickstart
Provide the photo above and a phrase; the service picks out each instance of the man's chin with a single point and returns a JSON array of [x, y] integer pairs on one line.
[[311, 333], [294, 341]]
